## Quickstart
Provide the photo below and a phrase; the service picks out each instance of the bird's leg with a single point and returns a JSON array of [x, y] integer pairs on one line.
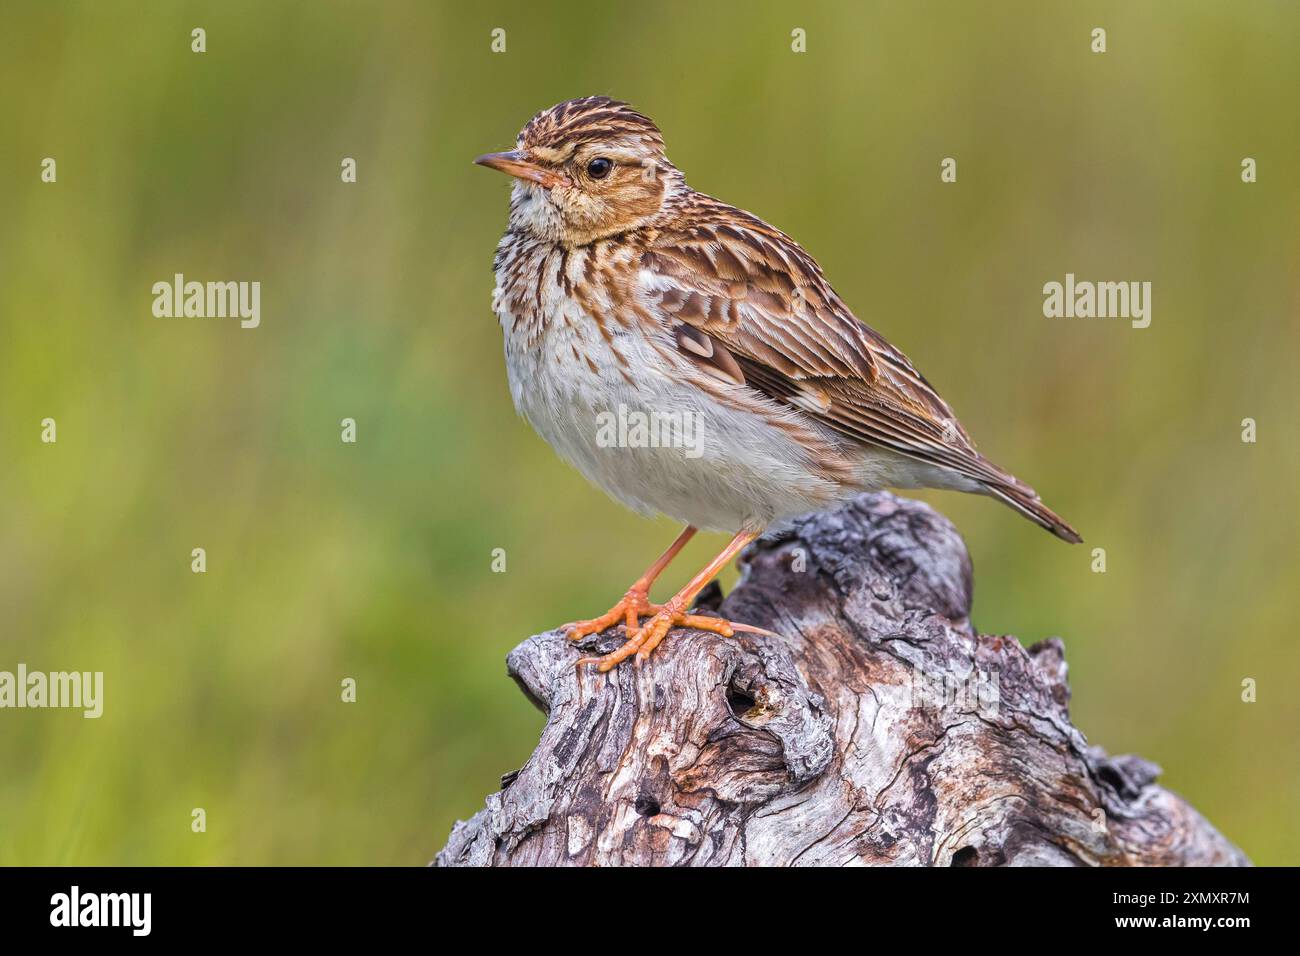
[[673, 614], [636, 601]]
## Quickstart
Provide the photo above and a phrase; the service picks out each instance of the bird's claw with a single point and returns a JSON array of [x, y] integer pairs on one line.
[[643, 640], [634, 604]]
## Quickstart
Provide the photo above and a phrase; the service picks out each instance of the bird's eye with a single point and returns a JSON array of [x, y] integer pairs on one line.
[[599, 168]]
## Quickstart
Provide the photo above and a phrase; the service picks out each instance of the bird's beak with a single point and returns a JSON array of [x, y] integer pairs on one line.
[[515, 165]]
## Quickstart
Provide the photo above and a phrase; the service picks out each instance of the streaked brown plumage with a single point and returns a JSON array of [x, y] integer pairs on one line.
[[619, 285]]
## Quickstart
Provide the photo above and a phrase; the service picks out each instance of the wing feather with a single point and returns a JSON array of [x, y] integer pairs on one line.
[[761, 296]]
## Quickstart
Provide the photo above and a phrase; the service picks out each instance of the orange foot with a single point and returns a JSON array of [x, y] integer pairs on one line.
[[645, 639], [629, 609]]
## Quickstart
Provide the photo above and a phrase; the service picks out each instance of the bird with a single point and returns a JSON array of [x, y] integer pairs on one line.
[[625, 295]]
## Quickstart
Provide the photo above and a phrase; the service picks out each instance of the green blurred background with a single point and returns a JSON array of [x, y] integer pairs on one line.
[[328, 560]]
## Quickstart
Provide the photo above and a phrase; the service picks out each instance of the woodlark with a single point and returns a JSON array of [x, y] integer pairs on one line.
[[625, 293]]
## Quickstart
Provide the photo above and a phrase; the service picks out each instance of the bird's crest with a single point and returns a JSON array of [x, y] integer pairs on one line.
[[566, 126]]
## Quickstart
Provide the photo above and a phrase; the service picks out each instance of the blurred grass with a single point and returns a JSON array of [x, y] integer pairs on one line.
[[372, 560]]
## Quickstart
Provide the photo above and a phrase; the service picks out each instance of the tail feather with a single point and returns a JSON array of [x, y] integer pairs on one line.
[[1023, 498]]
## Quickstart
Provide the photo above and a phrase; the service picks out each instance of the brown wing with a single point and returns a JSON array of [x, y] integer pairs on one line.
[[760, 296], [740, 288]]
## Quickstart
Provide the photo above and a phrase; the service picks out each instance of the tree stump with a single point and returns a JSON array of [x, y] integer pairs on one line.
[[880, 728]]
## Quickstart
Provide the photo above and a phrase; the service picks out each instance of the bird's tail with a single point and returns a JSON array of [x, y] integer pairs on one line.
[[1024, 499]]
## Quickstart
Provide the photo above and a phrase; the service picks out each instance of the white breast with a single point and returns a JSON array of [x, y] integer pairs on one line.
[[700, 461]]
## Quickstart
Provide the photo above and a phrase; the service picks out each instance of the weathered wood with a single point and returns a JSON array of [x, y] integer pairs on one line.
[[880, 728]]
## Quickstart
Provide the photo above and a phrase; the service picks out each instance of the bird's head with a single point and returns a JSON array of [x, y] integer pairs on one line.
[[584, 170]]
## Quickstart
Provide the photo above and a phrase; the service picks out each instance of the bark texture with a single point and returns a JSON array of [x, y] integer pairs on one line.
[[880, 728]]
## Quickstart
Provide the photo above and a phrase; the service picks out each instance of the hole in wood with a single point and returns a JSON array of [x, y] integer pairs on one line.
[[966, 856], [647, 806], [740, 702]]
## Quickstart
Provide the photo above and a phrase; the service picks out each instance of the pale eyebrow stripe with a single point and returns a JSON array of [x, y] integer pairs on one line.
[[553, 155]]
